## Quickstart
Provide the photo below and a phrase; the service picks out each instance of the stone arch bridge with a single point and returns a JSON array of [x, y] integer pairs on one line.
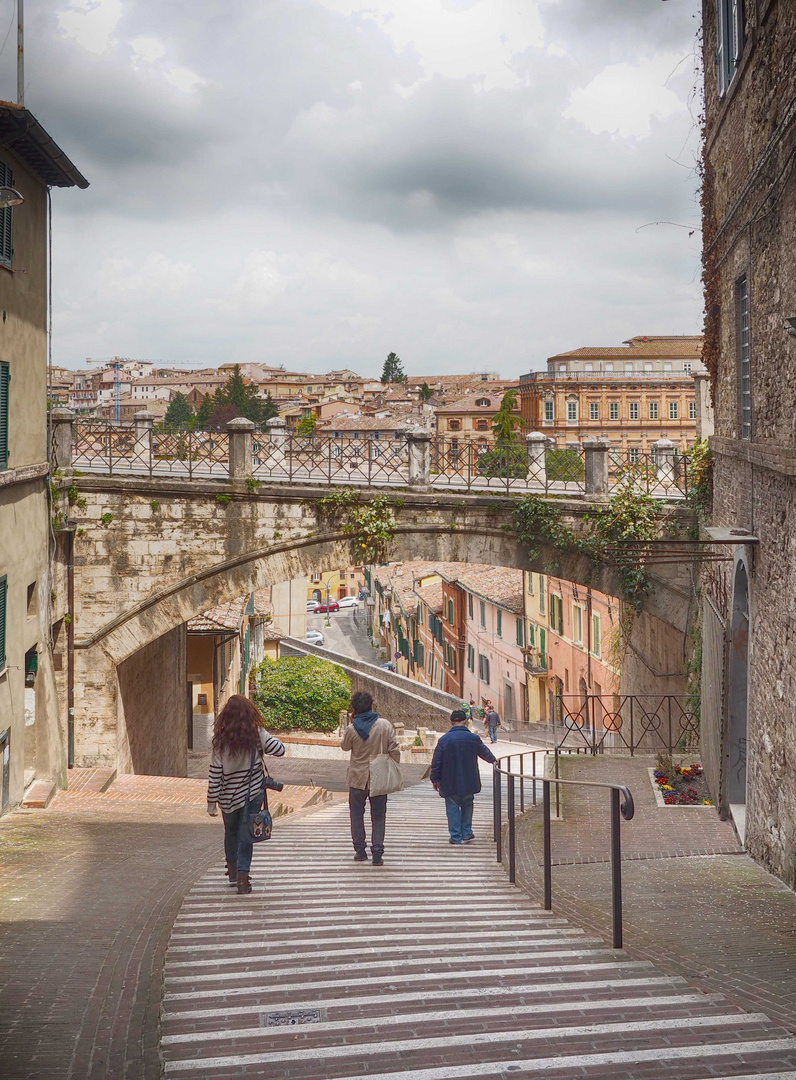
[[150, 552]]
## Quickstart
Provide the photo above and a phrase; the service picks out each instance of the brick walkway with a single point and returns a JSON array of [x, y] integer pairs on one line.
[[429, 968], [88, 893], [690, 904]]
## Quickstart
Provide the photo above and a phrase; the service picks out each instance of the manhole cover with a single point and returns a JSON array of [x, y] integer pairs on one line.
[[298, 1016]]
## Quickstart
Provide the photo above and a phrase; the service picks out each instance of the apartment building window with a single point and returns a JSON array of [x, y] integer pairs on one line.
[[633, 454], [633, 406], [454, 425], [629, 367], [730, 33], [588, 367], [687, 368], [648, 367], [499, 623], [577, 624], [531, 634], [654, 410], [5, 376], [6, 217], [556, 613], [471, 658], [548, 411], [450, 612], [530, 583], [483, 668], [674, 410], [594, 410], [613, 410], [692, 410], [667, 367], [542, 650], [572, 411], [481, 424], [452, 658], [596, 635], [541, 594], [609, 367], [521, 633], [482, 613], [745, 387], [470, 604]]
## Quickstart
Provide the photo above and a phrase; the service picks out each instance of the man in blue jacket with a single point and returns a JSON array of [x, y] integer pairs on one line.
[[455, 775]]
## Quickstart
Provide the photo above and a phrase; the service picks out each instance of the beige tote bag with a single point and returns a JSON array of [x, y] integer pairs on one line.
[[385, 776]]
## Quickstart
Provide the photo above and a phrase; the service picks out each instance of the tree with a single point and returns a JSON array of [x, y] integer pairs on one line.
[[505, 421], [425, 392], [300, 692], [393, 372], [204, 412], [244, 397], [306, 426], [268, 408], [221, 416], [179, 412]]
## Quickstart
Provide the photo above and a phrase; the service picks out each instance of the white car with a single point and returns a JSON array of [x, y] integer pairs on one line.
[[314, 637], [312, 606], [348, 601]]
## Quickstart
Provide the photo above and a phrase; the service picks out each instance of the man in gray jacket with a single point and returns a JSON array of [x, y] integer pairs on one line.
[[367, 736]]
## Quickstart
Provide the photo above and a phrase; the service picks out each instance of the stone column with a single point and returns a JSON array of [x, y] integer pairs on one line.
[[143, 422], [277, 437], [596, 454], [419, 448], [240, 448], [663, 461], [61, 450], [536, 443], [704, 405]]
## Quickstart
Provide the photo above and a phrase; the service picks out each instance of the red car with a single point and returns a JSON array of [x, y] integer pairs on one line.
[[321, 609]]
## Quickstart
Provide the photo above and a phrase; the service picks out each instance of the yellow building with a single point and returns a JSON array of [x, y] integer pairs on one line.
[[335, 584]]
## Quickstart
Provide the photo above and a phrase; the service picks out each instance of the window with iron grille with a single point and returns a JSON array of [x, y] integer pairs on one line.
[[613, 410], [5, 375], [744, 356], [6, 217]]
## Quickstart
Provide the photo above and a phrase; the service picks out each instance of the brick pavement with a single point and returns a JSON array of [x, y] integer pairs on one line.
[[430, 967], [88, 892], [694, 903]]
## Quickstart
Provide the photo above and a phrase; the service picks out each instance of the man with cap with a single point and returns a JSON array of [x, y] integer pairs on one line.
[[455, 775]]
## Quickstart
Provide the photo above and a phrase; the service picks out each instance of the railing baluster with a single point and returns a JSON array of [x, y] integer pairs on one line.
[[616, 869], [546, 853], [512, 830]]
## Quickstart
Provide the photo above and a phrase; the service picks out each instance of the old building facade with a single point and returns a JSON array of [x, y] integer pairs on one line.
[[749, 626]]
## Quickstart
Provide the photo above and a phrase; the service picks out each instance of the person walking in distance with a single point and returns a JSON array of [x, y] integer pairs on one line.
[[455, 775], [233, 784], [367, 736], [491, 721]]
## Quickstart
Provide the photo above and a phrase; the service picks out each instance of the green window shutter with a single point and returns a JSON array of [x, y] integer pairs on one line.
[[5, 377], [520, 633], [499, 623], [3, 592], [6, 248], [542, 647]]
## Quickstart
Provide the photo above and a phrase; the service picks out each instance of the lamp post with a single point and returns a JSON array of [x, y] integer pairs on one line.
[[328, 601]]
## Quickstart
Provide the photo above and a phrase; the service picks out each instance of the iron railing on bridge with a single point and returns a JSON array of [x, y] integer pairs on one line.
[[625, 723], [348, 460], [116, 449]]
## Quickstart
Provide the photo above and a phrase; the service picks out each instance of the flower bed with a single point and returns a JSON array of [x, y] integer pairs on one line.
[[681, 785]]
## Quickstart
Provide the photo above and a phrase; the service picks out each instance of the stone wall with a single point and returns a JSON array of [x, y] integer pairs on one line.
[[153, 708], [399, 699]]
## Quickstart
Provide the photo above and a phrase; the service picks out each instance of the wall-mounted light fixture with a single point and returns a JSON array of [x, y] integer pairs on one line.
[[9, 197], [790, 325]]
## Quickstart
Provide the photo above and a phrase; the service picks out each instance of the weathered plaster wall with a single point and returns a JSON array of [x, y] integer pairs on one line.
[[153, 708]]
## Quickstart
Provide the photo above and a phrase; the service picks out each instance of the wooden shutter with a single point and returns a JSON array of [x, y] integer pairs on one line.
[[3, 592], [6, 249], [5, 375]]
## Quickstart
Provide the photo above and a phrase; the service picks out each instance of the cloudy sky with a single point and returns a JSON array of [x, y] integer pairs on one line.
[[318, 182]]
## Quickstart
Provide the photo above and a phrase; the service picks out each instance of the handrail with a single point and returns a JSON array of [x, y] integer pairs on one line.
[[621, 805]]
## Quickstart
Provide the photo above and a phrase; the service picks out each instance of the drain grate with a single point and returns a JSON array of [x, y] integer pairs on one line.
[[297, 1016]]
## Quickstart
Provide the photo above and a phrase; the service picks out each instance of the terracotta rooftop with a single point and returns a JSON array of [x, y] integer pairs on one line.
[[224, 619], [431, 595], [499, 585], [663, 347], [468, 403]]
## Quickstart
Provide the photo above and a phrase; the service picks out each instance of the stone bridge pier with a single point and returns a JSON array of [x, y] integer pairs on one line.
[[150, 553]]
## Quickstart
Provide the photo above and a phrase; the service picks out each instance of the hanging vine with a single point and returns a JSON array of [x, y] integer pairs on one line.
[[370, 524]]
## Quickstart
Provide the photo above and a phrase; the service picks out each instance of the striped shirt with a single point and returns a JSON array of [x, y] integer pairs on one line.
[[229, 783]]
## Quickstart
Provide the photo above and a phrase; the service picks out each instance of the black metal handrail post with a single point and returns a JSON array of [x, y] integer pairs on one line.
[[616, 869], [498, 815], [512, 831], [546, 847]]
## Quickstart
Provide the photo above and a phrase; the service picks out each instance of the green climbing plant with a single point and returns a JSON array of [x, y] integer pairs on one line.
[[700, 477], [370, 524]]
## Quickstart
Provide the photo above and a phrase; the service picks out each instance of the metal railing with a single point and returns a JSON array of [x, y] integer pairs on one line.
[[324, 458], [99, 445], [621, 801], [663, 476], [468, 465], [626, 723]]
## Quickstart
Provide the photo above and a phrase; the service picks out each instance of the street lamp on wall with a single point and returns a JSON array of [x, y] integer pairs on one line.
[[790, 325], [9, 197]]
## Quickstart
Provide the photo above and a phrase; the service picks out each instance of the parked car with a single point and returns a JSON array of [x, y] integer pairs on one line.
[[348, 601], [388, 666], [312, 606], [314, 637], [321, 609]]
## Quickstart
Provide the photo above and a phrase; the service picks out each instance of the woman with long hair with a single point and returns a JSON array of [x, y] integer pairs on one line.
[[238, 733]]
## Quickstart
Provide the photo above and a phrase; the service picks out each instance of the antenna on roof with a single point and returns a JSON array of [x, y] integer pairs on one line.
[[20, 55]]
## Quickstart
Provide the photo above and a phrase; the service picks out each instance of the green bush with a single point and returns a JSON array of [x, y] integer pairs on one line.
[[509, 461], [564, 464], [300, 692]]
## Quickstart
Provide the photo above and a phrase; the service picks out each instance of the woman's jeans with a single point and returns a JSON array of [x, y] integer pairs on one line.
[[459, 809], [237, 848]]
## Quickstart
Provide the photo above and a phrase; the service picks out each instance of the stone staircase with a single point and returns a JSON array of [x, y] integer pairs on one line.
[[431, 967]]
